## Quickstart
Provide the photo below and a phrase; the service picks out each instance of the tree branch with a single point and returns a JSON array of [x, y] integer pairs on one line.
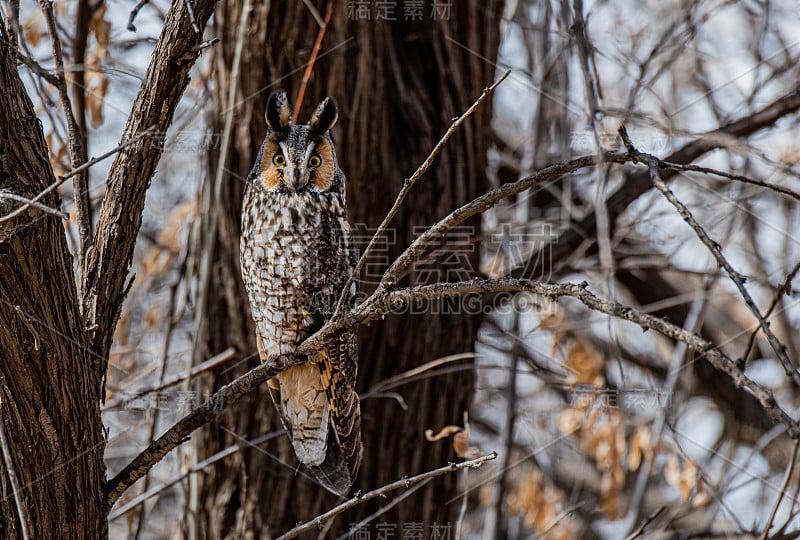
[[382, 303], [16, 490], [120, 216], [409, 183], [74, 140], [639, 183], [62, 179], [319, 521], [716, 251]]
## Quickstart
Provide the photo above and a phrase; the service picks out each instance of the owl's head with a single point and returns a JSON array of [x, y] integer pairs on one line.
[[296, 158]]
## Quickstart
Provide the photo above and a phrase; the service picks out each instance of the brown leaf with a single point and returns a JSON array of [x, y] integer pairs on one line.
[[585, 365], [461, 445], [100, 27], [33, 28], [96, 85], [443, 434]]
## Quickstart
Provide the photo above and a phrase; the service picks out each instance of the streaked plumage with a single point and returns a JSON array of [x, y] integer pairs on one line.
[[296, 256]]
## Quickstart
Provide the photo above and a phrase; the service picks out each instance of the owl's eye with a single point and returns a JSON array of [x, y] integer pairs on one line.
[[278, 160], [314, 161]]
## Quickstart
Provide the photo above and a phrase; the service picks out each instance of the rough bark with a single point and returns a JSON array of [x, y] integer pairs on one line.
[[398, 84], [52, 358], [49, 384]]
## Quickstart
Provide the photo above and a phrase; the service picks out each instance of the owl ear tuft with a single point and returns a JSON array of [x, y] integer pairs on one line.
[[324, 117], [278, 114]]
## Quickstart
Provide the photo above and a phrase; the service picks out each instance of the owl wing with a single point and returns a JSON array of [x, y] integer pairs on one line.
[[337, 364]]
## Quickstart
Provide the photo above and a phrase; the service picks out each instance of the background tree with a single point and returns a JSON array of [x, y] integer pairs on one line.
[[398, 83]]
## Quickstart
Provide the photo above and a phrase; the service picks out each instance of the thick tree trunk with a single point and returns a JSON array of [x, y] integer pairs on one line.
[[49, 380], [399, 84]]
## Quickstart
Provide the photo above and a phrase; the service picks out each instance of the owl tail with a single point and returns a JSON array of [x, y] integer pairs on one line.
[[331, 449], [337, 472]]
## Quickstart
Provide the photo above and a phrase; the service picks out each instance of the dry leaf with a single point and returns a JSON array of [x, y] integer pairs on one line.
[[461, 445], [585, 365], [32, 28], [672, 470], [443, 434], [641, 447], [96, 86], [100, 27]]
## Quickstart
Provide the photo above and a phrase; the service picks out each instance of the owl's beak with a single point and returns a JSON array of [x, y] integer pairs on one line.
[[297, 180]]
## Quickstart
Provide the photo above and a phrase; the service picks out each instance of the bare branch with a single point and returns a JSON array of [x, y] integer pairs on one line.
[[716, 251], [786, 479], [62, 179], [134, 12], [120, 216], [323, 26], [409, 183], [639, 183], [405, 482], [736, 177], [13, 478], [486, 201], [384, 302], [4, 194], [75, 141]]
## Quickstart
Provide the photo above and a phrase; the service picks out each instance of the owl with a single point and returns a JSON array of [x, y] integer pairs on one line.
[[297, 254]]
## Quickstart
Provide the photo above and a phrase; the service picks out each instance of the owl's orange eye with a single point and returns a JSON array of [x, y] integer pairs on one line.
[[278, 160], [314, 161]]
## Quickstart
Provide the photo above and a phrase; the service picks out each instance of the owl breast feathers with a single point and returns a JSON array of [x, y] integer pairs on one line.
[[296, 257]]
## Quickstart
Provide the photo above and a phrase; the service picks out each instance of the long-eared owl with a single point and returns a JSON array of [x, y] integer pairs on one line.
[[297, 254]]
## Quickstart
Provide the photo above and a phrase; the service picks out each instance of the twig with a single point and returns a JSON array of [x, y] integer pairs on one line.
[[407, 185], [134, 13], [405, 482], [192, 18], [716, 251], [153, 416], [737, 177], [650, 519], [34, 66], [782, 289], [385, 508], [314, 12], [601, 176], [487, 201], [691, 323], [74, 140], [30, 202], [313, 59], [211, 363], [462, 511], [62, 179], [12, 476], [399, 379], [786, 479], [492, 527], [559, 518]]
